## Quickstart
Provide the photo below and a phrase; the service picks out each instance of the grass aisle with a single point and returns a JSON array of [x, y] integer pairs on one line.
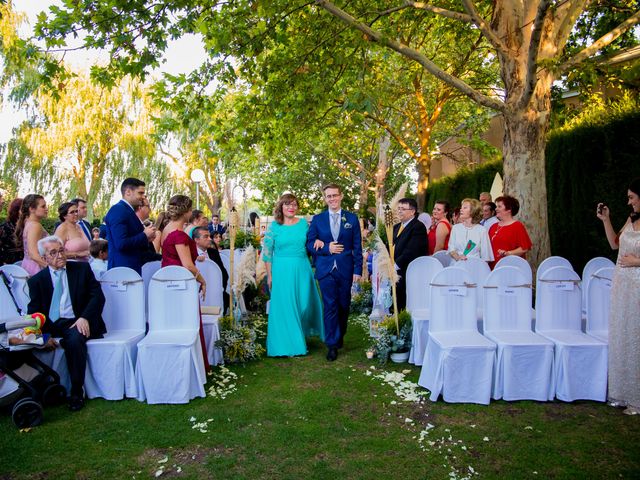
[[308, 418]]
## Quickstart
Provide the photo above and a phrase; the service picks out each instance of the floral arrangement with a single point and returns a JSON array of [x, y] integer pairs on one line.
[[362, 301], [239, 340], [389, 340], [243, 240]]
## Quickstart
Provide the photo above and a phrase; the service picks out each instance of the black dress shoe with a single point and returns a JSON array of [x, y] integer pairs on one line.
[[332, 354], [76, 403]]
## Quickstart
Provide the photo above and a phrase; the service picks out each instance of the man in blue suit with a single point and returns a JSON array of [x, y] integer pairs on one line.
[[334, 240], [128, 238]]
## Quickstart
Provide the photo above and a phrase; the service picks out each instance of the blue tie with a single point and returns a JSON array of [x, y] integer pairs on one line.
[[54, 310], [85, 229]]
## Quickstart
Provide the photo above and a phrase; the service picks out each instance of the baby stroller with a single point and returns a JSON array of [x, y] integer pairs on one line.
[[26, 384]]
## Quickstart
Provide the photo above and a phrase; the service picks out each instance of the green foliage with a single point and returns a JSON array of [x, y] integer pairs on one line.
[[465, 183], [591, 160], [239, 341], [362, 302], [388, 341], [243, 240]]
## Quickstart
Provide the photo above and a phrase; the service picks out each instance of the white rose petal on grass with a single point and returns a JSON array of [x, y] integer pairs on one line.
[[485, 439], [528, 427], [159, 472], [408, 420], [164, 460]]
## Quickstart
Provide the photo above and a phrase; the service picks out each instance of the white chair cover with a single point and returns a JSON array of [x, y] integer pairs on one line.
[[580, 362], [589, 269], [227, 266], [443, 257], [524, 364], [225, 253], [213, 276], [598, 302], [545, 265], [148, 270], [170, 366], [479, 271], [111, 360], [18, 277], [458, 360], [420, 273], [518, 262]]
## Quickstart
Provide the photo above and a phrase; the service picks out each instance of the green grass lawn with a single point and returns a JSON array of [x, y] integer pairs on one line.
[[308, 418]]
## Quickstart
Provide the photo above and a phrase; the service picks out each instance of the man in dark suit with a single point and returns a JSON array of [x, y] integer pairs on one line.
[[72, 300], [410, 241], [334, 240], [203, 243], [128, 238], [215, 226], [143, 210]]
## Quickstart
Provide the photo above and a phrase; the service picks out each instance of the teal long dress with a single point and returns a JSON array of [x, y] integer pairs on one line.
[[295, 310]]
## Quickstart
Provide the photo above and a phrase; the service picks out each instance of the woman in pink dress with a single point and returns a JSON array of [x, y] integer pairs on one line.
[[76, 244], [179, 249], [29, 230]]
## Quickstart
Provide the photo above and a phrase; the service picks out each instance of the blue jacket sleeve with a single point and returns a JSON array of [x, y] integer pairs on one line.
[[312, 235], [121, 238]]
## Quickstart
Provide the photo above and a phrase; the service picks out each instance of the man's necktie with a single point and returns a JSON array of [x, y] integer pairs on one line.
[[400, 230], [54, 310], [85, 229], [335, 226]]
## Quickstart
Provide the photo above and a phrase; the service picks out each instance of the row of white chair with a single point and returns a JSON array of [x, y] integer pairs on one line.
[[424, 271], [166, 365]]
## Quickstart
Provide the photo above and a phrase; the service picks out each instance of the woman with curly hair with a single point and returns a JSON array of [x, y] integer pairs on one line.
[[295, 310], [76, 244], [29, 230]]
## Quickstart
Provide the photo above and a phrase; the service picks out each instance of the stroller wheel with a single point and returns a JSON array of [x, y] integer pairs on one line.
[[26, 413], [54, 395]]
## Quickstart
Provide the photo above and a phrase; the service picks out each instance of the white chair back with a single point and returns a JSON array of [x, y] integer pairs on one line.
[[420, 272], [148, 270], [213, 276], [443, 257], [551, 262], [173, 300], [18, 277], [598, 302], [479, 271], [225, 253], [453, 302], [507, 300], [559, 305], [8, 310], [124, 300], [589, 269], [518, 262]]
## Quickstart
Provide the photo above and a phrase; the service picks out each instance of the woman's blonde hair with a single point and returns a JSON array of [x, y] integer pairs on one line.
[[277, 211], [476, 209], [177, 207]]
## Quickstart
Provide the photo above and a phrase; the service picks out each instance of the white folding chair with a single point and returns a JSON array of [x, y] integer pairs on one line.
[[518, 262], [148, 270], [170, 366], [111, 360], [524, 363], [545, 265], [458, 361], [589, 269], [227, 266], [598, 302], [420, 273], [17, 277], [443, 257], [580, 361], [213, 276], [479, 271]]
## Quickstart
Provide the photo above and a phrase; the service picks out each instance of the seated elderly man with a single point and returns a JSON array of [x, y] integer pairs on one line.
[[71, 298], [202, 237]]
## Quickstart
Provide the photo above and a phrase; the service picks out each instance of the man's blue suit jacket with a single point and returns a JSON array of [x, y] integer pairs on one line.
[[125, 234], [349, 262]]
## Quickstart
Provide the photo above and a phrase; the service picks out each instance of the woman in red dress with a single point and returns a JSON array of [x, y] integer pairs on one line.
[[440, 229], [180, 250], [508, 236]]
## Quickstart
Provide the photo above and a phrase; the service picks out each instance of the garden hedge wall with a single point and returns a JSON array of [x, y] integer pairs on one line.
[[589, 162]]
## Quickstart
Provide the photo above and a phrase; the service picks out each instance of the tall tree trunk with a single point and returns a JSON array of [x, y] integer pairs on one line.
[[424, 168], [383, 167]]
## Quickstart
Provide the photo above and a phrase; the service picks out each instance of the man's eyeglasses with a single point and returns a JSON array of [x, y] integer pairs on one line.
[[56, 253], [404, 209]]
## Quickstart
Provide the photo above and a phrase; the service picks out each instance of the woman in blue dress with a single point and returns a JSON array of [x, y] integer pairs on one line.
[[295, 310]]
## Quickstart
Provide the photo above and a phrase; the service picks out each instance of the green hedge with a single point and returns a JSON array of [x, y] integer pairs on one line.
[[588, 164], [465, 183]]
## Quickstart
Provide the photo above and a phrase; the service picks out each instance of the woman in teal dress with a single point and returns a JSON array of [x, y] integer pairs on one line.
[[295, 310]]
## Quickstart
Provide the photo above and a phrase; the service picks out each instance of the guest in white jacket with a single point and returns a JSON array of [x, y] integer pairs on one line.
[[468, 238]]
